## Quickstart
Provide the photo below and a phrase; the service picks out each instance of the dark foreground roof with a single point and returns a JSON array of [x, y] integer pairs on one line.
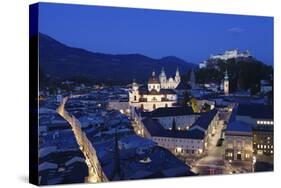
[[156, 129], [162, 163]]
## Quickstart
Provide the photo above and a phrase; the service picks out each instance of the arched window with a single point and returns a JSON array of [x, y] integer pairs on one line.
[[154, 106]]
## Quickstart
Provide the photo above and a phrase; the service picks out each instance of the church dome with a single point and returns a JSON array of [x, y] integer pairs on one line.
[[153, 79]]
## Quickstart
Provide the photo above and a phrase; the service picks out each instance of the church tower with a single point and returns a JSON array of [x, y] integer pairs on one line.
[[162, 77], [135, 92], [226, 84], [177, 77], [153, 83]]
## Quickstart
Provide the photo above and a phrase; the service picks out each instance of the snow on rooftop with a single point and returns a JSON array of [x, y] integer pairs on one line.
[[43, 110], [47, 150], [74, 160], [47, 166]]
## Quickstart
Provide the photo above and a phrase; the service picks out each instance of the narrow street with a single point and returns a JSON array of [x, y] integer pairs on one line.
[[213, 162], [95, 171]]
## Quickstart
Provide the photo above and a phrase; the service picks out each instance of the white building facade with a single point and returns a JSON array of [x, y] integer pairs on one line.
[[229, 54], [152, 97], [169, 83]]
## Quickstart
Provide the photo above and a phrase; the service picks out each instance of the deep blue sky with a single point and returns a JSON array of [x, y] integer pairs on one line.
[[155, 33]]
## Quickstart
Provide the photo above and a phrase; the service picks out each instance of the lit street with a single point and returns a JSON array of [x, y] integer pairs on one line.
[[95, 172], [213, 162]]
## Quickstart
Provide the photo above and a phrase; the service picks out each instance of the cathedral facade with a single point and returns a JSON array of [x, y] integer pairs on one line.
[[169, 83], [159, 93]]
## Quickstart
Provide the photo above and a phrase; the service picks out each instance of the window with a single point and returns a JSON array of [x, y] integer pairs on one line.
[[229, 145], [135, 98], [166, 105], [229, 154], [154, 106]]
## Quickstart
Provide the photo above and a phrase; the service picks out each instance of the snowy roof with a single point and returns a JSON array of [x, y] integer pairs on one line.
[[205, 119], [74, 160], [239, 126], [47, 166], [257, 111], [156, 129]]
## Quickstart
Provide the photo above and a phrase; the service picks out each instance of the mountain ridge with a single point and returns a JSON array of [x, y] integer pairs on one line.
[[60, 61]]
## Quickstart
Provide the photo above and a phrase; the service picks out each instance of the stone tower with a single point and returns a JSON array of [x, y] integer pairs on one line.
[[177, 77], [162, 76], [226, 84], [135, 92]]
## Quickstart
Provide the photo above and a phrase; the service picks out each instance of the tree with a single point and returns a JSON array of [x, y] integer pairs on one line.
[[194, 105], [206, 107], [186, 99]]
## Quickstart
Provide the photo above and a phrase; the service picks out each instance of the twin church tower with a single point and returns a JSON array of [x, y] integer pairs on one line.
[[170, 83]]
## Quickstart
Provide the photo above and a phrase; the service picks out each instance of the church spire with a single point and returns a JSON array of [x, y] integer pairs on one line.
[[177, 72], [163, 72], [153, 73], [177, 77], [226, 75]]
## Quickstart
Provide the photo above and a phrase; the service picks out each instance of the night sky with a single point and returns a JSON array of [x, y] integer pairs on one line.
[[155, 33]]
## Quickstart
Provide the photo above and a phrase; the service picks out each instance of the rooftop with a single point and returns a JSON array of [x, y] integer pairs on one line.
[[144, 91], [205, 119], [257, 111], [239, 126], [183, 86], [156, 129], [161, 164], [171, 111]]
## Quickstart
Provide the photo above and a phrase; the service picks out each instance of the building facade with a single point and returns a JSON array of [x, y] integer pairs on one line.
[[229, 54], [181, 141], [169, 83], [151, 97], [226, 84], [263, 139], [238, 141]]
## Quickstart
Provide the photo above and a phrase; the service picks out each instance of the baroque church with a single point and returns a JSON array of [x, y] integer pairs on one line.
[[158, 93], [170, 83]]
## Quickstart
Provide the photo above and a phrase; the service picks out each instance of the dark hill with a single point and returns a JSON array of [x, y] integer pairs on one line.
[[59, 61]]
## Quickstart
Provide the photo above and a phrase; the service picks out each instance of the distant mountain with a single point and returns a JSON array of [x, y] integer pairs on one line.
[[60, 61]]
